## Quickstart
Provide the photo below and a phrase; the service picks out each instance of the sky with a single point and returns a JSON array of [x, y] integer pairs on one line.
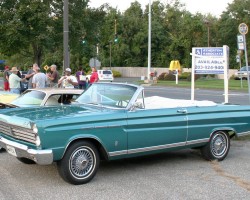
[[215, 7]]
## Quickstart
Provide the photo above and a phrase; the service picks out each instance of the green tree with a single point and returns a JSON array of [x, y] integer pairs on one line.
[[229, 22], [26, 28]]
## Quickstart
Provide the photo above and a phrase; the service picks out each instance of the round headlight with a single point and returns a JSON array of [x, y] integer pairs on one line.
[[38, 141]]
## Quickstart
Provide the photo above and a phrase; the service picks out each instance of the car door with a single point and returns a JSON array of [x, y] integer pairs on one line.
[[156, 129]]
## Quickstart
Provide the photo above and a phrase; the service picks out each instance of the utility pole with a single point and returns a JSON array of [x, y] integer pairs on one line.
[[110, 54], [65, 34]]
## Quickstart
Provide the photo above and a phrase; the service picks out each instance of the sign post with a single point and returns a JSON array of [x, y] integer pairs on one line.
[[210, 60], [243, 29]]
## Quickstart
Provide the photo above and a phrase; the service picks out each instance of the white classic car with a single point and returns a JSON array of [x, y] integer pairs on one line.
[[43, 97]]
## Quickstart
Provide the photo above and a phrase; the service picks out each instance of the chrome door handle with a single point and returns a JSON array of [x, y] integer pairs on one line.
[[182, 111]]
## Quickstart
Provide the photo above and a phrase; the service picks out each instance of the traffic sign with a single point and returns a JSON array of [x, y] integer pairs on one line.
[[243, 28], [240, 42], [46, 68]]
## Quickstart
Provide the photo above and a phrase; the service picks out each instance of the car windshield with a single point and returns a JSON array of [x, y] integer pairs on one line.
[[112, 95], [29, 98]]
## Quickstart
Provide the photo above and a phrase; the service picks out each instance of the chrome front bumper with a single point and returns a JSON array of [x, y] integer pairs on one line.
[[41, 157]]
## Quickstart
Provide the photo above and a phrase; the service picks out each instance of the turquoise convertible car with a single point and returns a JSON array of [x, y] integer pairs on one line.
[[115, 121]]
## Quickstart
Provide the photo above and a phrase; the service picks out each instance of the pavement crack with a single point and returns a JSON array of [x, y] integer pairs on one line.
[[238, 180]]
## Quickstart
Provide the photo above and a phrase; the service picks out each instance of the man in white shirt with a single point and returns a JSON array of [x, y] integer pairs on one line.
[[14, 81], [39, 80], [68, 81]]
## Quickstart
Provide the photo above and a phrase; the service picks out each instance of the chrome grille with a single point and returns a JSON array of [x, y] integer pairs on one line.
[[17, 132]]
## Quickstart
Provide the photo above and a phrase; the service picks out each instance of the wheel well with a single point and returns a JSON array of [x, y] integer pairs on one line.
[[97, 144], [231, 133]]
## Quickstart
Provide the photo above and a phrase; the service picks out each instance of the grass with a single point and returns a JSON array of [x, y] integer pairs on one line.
[[208, 84]]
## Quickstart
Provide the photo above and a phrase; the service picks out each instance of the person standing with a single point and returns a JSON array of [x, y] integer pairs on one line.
[[6, 75], [14, 81], [54, 76], [39, 80], [94, 76], [30, 75], [81, 78], [68, 81]]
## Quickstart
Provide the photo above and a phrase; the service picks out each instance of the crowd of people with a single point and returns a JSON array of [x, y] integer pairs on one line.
[[34, 78]]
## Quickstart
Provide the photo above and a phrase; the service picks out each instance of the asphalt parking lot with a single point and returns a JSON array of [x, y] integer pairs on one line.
[[174, 175]]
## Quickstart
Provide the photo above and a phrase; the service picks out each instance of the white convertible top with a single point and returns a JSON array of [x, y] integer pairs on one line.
[[155, 102]]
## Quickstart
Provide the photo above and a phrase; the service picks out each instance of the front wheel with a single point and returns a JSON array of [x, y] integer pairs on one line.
[[80, 163], [217, 148], [1, 149]]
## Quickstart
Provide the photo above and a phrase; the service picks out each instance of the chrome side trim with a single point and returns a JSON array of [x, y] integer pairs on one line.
[[155, 148], [243, 134], [198, 141], [118, 153], [94, 127]]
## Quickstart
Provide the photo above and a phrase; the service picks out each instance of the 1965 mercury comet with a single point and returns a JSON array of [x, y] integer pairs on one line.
[[114, 121]]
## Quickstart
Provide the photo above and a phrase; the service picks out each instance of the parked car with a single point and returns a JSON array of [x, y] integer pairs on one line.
[[114, 121], [242, 73], [43, 97], [7, 97], [105, 75]]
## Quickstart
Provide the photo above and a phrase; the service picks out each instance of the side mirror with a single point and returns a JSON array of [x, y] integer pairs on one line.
[[137, 105]]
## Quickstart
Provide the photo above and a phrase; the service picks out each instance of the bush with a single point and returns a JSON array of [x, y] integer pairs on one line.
[[184, 76], [196, 77], [161, 77], [166, 77], [116, 73]]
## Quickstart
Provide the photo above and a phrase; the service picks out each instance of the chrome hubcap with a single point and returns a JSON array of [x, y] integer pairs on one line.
[[82, 162], [219, 145]]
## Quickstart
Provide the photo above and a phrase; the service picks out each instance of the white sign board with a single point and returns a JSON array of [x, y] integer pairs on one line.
[[210, 60], [240, 42]]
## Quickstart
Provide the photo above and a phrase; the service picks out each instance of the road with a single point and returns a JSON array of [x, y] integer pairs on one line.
[[217, 96], [175, 175]]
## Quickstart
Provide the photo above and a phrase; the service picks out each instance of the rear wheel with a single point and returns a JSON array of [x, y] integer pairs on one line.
[[218, 147], [80, 163]]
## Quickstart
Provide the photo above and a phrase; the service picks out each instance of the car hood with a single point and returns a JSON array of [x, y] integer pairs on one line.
[[22, 116]]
